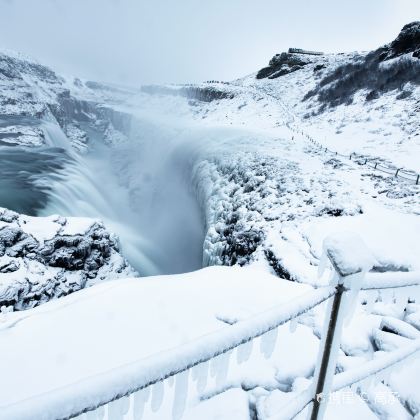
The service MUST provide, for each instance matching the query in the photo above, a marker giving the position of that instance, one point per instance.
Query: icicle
(157, 396)
(180, 395)
(171, 381)
(293, 325)
(214, 366)
(401, 300)
(100, 412)
(386, 375)
(91, 415)
(223, 368)
(114, 411)
(322, 264)
(199, 373)
(351, 302)
(387, 296)
(124, 405)
(268, 343)
(243, 352)
(140, 399)
(371, 297)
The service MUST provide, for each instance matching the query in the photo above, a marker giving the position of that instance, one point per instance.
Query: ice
(139, 401)
(157, 396)
(180, 394)
(268, 343)
(293, 325)
(243, 352)
(387, 296)
(371, 296)
(171, 381)
(124, 405)
(219, 367)
(114, 410)
(97, 414)
(199, 374)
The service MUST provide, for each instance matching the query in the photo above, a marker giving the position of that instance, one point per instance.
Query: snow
(348, 253)
(83, 334)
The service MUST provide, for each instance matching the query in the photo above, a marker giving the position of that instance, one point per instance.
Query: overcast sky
(148, 41)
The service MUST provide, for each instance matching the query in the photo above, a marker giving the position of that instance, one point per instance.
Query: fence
(125, 391)
(373, 163)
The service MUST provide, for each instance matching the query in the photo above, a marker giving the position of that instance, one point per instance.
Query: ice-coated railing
(114, 393)
(122, 393)
(350, 259)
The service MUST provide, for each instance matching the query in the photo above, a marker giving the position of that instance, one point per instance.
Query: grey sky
(145, 41)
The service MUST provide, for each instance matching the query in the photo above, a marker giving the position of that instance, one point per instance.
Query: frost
(157, 395)
(243, 352)
(180, 394)
(139, 401)
(268, 342)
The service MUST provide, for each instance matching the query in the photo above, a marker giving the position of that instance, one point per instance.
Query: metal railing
(126, 389)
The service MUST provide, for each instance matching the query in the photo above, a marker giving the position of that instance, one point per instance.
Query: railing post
(350, 259)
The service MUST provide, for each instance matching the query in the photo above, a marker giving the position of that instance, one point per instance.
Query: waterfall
(141, 190)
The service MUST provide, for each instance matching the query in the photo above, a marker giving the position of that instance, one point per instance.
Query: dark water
(26, 176)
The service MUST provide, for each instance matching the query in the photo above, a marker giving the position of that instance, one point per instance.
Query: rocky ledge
(284, 63)
(42, 258)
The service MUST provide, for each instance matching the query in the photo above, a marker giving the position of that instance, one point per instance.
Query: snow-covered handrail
(350, 260)
(381, 364)
(94, 392)
(349, 378)
(391, 280)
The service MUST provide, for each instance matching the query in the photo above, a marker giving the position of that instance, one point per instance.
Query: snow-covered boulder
(42, 258)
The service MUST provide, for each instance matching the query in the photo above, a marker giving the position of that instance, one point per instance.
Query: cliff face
(42, 258)
(45, 122)
(32, 94)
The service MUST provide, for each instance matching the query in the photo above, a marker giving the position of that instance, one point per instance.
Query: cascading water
(140, 189)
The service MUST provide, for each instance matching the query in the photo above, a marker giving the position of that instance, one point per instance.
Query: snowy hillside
(192, 176)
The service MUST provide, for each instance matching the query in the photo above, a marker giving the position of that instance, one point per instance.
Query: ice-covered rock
(42, 258)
